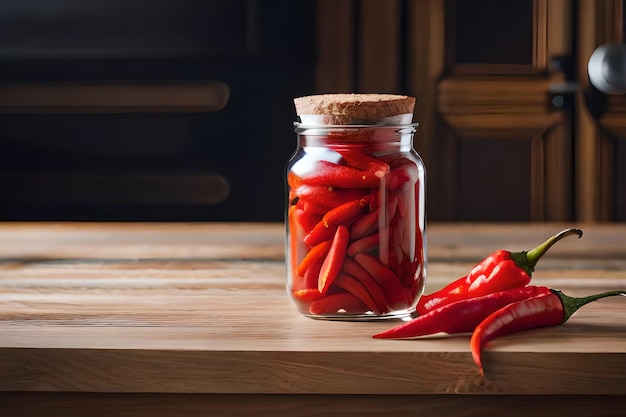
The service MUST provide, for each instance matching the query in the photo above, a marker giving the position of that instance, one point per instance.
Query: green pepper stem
(571, 304)
(527, 260)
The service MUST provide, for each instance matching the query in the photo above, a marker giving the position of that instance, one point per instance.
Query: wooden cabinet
(110, 112)
(601, 133)
(502, 99)
(163, 110)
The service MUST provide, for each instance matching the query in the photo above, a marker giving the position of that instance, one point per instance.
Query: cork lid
(355, 108)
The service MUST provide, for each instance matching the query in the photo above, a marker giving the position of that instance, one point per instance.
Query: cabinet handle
(196, 97)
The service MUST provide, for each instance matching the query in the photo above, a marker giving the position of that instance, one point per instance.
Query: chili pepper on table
(461, 316)
(543, 310)
(500, 271)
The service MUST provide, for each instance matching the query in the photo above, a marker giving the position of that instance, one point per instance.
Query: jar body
(355, 222)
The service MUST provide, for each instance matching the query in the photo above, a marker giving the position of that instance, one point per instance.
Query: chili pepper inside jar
(355, 214)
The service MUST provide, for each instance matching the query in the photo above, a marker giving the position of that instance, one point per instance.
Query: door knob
(607, 68)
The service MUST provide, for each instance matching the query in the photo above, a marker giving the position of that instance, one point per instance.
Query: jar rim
(300, 127)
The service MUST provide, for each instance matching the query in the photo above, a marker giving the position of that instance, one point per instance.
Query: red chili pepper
(396, 294)
(500, 271)
(460, 317)
(334, 259)
(370, 222)
(335, 175)
(399, 261)
(397, 178)
(543, 310)
(304, 218)
(312, 208)
(328, 196)
(312, 274)
(364, 244)
(336, 303)
(316, 252)
(402, 209)
(326, 227)
(351, 267)
(365, 224)
(307, 294)
(294, 238)
(364, 162)
(352, 285)
(391, 207)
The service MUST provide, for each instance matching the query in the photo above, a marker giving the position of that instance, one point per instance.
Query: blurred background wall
(182, 110)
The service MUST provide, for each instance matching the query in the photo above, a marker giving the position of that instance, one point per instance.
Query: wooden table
(193, 319)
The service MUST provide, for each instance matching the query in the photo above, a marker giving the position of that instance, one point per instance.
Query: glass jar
(355, 222)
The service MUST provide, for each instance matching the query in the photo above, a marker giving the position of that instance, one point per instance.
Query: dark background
(56, 165)
(486, 75)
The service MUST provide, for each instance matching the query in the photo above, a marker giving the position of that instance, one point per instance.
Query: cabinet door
(495, 122)
(502, 146)
(601, 121)
(510, 128)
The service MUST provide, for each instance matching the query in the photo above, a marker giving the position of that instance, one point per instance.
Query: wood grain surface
(140, 310)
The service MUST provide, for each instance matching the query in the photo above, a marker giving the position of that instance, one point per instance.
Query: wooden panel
(612, 130)
(620, 181)
(505, 97)
(112, 98)
(293, 405)
(486, 107)
(379, 48)
(336, 55)
(520, 28)
(106, 190)
(361, 46)
(600, 22)
(425, 63)
(613, 122)
(556, 198)
(35, 142)
(553, 163)
(511, 109)
(32, 29)
(480, 176)
(483, 106)
(480, 22)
